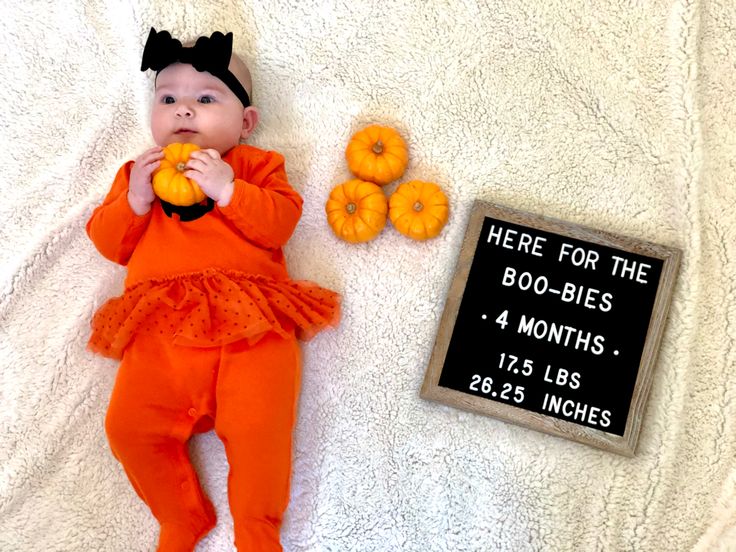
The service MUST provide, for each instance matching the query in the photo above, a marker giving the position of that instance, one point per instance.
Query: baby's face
(195, 107)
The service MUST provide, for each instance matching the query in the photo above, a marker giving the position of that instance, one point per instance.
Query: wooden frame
(625, 444)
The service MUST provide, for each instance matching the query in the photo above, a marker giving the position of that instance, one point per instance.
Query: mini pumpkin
(356, 210)
(169, 182)
(377, 154)
(418, 209)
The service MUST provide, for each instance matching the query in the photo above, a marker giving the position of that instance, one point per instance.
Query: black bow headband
(208, 54)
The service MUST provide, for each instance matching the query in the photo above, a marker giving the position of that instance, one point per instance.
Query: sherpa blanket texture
(611, 114)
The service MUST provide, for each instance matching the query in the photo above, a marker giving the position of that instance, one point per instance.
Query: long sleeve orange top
(212, 280)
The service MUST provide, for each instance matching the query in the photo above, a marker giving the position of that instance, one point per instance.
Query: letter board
(553, 326)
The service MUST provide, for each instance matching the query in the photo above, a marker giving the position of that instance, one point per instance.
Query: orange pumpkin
(418, 209)
(356, 210)
(377, 154)
(169, 182)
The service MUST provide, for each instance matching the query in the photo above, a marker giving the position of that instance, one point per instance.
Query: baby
(208, 323)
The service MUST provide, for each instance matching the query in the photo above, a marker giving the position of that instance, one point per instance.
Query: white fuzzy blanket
(616, 115)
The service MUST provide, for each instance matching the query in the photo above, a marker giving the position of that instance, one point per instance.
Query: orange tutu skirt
(212, 308)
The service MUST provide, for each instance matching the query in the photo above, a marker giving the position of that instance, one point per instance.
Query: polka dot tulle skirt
(212, 308)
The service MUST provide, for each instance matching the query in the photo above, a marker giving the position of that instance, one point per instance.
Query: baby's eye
(206, 99)
(168, 99)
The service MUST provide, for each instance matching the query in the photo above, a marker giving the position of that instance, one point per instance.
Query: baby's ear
(251, 116)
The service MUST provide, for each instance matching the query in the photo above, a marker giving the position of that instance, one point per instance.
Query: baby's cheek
(158, 128)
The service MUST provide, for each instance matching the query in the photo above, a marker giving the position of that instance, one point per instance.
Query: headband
(208, 54)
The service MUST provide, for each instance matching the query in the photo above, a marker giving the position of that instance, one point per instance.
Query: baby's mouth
(185, 131)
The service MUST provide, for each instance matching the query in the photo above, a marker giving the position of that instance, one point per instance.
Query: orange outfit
(206, 330)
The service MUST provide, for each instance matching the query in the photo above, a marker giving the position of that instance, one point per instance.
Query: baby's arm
(263, 206)
(115, 227)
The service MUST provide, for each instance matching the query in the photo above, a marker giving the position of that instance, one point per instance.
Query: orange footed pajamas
(207, 332)
(164, 393)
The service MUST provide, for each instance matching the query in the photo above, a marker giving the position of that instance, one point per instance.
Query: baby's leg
(160, 393)
(257, 391)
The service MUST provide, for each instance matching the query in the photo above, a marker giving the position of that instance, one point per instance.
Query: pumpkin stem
(351, 208)
(180, 166)
(378, 148)
(418, 206)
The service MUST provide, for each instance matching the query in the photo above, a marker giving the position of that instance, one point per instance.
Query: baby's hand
(212, 174)
(140, 190)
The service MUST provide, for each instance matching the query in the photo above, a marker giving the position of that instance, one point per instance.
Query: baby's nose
(183, 110)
